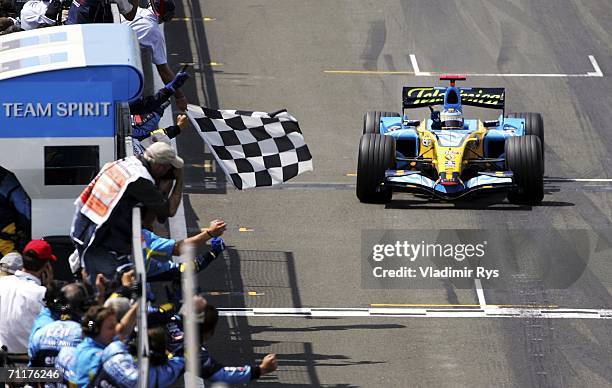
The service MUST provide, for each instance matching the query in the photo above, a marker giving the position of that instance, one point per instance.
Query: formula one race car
(446, 156)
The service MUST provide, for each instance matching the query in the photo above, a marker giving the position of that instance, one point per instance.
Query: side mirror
(412, 123)
(490, 123)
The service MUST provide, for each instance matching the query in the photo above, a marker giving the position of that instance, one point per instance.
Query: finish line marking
(415, 66)
(577, 180)
(597, 72)
(480, 293)
(374, 72)
(418, 73)
(486, 312)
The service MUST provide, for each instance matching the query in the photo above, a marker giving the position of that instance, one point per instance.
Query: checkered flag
(254, 148)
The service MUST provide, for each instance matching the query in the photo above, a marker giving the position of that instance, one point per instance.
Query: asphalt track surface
(327, 62)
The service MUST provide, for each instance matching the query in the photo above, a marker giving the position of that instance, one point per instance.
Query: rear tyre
(376, 155)
(534, 125)
(371, 120)
(524, 159)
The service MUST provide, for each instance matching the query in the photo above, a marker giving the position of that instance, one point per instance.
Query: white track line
(577, 180)
(596, 73)
(480, 293)
(546, 75)
(415, 66)
(487, 312)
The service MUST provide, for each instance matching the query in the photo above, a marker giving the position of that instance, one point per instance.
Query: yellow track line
(205, 18)
(206, 64)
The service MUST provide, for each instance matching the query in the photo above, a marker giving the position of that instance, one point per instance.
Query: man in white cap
(102, 226)
(10, 263)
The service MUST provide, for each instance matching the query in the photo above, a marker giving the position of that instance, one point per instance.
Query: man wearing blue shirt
(163, 249)
(52, 310)
(65, 363)
(213, 370)
(46, 342)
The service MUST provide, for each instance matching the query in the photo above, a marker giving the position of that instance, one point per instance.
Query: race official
(102, 226)
(21, 295)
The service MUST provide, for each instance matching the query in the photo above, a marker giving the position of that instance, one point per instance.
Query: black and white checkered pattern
(254, 148)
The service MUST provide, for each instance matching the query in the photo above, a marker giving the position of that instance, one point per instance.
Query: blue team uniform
(42, 319)
(65, 363)
(210, 369)
(46, 343)
(158, 256)
(157, 247)
(88, 359)
(120, 370)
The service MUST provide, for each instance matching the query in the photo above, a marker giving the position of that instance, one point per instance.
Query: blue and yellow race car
(447, 156)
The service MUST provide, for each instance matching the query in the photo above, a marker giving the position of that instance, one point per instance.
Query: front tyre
(376, 155)
(371, 120)
(524, 158)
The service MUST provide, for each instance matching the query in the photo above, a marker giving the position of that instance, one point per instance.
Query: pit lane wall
(63, 111)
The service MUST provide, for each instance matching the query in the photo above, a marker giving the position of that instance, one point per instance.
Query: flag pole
(191, 339)
(141, 279)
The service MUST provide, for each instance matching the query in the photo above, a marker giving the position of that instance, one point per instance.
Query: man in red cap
(21, 295)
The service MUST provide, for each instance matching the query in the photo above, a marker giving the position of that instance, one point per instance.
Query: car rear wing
(419, 96)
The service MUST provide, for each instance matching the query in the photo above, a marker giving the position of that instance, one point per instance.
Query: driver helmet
(451, 118)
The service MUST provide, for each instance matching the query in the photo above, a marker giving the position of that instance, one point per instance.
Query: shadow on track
(273, 273)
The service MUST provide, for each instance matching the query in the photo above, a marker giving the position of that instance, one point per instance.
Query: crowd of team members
(86, 331)
(85, 327)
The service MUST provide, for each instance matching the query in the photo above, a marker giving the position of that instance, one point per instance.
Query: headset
(90, 328)
(73, 310)
(92, 322)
